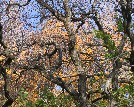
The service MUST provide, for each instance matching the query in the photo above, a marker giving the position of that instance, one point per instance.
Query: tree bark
(82, 89)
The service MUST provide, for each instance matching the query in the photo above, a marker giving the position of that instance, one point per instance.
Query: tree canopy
(61, 53)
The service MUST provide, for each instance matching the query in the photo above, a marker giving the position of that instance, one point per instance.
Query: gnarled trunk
(83, 100)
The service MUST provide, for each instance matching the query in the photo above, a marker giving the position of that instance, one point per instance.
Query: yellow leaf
(8, 71)
(60, 74)
(77, 46)
(89, 51)
(96, 77)
(2, 58)
(75, 74)
(44, 50)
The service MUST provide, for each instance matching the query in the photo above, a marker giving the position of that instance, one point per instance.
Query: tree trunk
(131, 59)
(83, 103)
(83, 100)
(114, 75)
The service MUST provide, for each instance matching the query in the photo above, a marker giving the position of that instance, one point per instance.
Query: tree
(83, 52)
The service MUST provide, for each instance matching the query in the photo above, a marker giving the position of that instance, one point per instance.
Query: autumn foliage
(68, 53)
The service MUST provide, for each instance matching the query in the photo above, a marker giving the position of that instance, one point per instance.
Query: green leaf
(120, 25)
(132, 25)
(107, 42)
(107, 55)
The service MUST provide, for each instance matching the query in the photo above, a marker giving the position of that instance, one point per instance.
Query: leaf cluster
(120, 25)
(48, 99)
(107, 42)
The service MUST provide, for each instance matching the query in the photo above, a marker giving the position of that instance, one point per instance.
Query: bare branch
(54, 12)
(17, 4)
